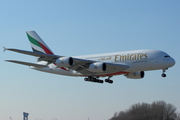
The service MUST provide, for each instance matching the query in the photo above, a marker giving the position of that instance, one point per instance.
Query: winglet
(4, 49)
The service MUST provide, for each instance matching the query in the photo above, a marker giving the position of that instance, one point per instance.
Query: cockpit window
(166, 56)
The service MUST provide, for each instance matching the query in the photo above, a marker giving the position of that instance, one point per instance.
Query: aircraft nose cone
(173, 62)
(169, 62)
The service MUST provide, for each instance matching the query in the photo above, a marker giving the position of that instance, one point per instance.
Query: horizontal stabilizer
(45, 57)
(26, 63)
(4, 49)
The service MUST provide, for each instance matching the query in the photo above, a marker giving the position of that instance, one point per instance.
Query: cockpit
(166, 56)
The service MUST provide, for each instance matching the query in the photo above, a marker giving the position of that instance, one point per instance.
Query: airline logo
(130, 57)
(126, 57)
(37, 44)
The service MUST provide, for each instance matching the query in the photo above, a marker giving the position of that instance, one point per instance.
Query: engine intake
(64, 62)
(97, 67)
(135, 75)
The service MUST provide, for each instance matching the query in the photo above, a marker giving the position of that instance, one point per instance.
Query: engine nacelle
(135, 75)
(64, 62)
(97, 67)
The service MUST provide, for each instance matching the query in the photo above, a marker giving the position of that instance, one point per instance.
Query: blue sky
(78, 28)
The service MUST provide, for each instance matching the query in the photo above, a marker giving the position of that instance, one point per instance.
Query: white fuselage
(138, 60)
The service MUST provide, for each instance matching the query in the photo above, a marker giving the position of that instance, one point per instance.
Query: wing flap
(26, 63)
(114, 67)
(83, 61)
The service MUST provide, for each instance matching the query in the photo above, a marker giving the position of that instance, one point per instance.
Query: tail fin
(37, 43)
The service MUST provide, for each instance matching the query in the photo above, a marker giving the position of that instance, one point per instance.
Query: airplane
(131, 64)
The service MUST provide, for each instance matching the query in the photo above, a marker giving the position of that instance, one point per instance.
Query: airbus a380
(131, 64)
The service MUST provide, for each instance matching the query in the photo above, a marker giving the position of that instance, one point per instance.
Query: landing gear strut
(108, 80)
(163, 74)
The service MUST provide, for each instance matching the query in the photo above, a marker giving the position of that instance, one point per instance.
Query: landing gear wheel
(95, 80)
(106, 80)
(85, 79)
(163, 75)
(100, 81)
(110, 81)
(89, 78)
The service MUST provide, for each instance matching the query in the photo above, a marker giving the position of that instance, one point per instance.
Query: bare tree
(158, 110)
(178, 116)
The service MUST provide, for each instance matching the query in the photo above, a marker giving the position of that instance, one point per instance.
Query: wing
(82, 65)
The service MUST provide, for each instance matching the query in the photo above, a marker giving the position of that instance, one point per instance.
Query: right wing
(82, 65)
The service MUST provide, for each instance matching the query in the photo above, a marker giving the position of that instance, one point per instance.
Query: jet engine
(97, 67)
(64, 62)
(135, 75)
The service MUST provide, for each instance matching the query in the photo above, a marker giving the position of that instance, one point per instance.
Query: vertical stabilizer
(37, 43)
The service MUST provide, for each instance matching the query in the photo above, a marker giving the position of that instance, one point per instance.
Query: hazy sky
(80, 27)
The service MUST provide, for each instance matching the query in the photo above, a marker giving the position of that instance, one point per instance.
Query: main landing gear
(108, 80)
(163, 74)
(94, 79)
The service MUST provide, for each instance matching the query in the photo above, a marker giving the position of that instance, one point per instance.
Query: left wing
(80, 65)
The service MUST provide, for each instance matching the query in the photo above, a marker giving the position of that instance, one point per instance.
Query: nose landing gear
(163, 74)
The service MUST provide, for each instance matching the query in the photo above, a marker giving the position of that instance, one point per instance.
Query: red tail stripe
(49, 52)
(46, 49)
(64, 68)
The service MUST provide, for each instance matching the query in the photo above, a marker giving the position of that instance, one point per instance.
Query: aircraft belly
(59, 71)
